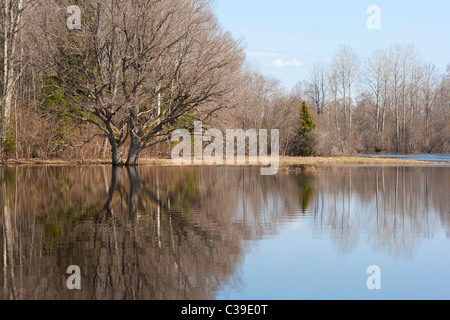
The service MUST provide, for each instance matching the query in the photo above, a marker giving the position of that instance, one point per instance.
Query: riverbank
(284, 162)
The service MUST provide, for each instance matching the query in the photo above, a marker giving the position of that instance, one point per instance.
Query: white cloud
(292, 63)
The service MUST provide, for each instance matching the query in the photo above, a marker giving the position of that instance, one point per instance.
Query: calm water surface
(224, 233)
(444, 157)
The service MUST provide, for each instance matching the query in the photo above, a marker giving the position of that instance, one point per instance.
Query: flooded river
(225, 233)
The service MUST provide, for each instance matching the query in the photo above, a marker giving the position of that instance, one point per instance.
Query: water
(224, 233)
(445, 157)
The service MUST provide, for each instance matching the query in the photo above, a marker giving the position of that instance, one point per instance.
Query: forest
(132, 72)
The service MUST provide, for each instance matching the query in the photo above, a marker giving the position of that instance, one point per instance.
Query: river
(217, 233)
(445, 157)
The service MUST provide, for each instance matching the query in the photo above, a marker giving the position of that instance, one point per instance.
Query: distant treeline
(132, 72)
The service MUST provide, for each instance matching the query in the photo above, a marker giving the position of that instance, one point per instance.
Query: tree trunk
(116, 153)
(12, 15)
(7, 97)
(397, 128)
(350, 106)
(135, 150)
(345, 106)
(336, 111)
(134, 153)
(7, 103)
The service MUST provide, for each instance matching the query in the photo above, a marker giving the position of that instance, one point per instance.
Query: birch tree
(346, 66)
(12, 12)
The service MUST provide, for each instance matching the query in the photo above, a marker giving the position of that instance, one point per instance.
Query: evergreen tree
(305, 148)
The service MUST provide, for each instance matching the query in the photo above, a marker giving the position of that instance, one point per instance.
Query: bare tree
(137, 67)
(346, 66)
(318, 87)
(374, 76)
(12, 12)
(430, 82)
(333, 85)
(204, 67)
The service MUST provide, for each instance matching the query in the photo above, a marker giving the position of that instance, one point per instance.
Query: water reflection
(182, 233)
(389, 208)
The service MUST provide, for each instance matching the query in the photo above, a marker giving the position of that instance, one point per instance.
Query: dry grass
(284, 162)
(292, 161)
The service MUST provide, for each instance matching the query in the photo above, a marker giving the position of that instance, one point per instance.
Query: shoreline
(283, 161)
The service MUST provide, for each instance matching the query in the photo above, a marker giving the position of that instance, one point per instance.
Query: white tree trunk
(12, 15)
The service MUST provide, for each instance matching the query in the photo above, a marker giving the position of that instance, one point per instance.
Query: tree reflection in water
(390, 208)
(181, 233)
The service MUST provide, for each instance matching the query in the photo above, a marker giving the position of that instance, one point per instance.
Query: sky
(284, 38)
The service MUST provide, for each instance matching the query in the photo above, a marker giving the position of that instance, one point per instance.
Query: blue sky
(284, 38)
